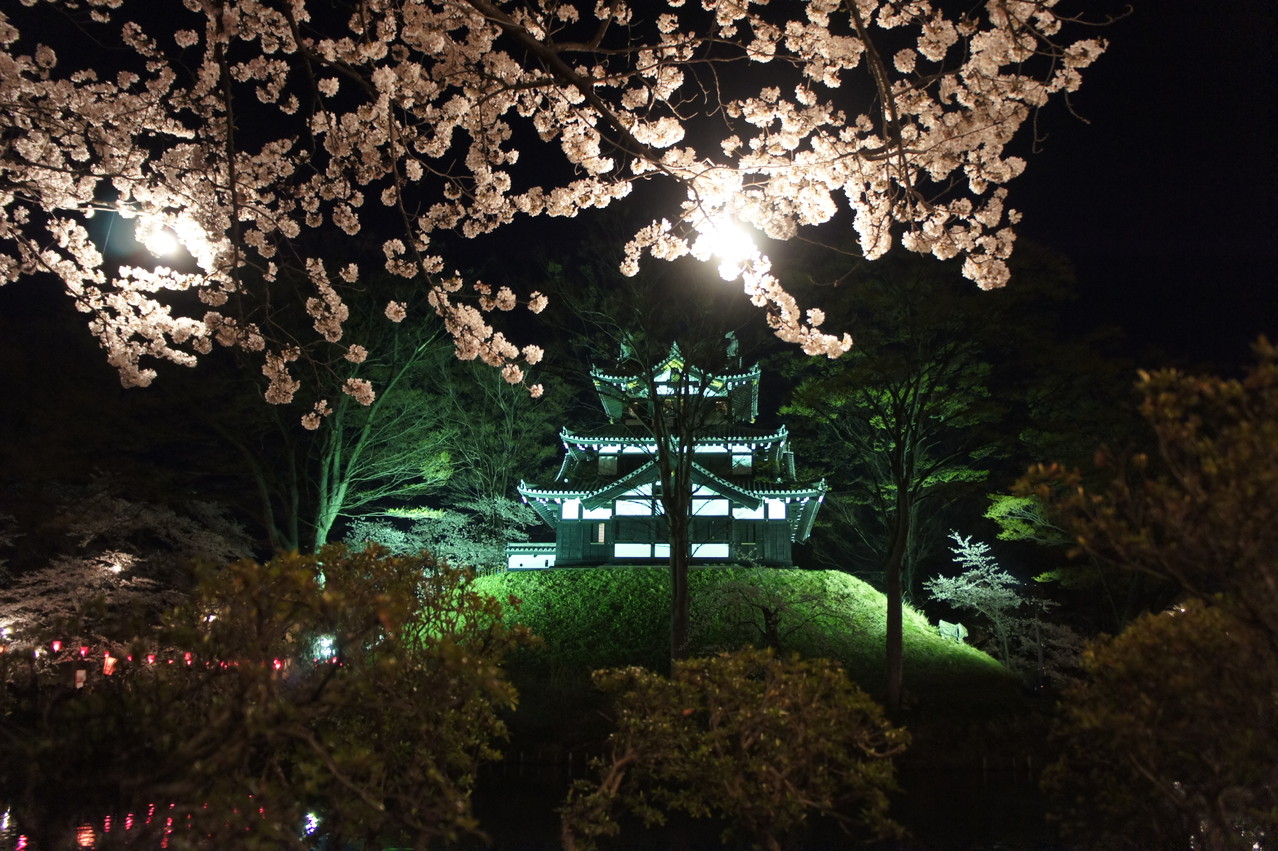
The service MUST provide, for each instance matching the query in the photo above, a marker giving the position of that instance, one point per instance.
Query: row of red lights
(109, 662)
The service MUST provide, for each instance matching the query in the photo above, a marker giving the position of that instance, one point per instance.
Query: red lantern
(56, 645)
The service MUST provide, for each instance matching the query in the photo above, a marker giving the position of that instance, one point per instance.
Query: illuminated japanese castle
(604, 503)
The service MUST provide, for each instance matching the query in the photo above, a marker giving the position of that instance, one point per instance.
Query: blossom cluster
(445, 115)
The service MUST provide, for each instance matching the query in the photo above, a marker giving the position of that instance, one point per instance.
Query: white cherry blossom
(240, 126)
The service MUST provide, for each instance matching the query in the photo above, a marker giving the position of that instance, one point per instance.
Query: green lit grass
(608, 617)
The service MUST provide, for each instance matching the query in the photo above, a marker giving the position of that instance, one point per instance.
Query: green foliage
(1203, 513)
(760, 742)
(1170, 742)
(474, 534)
(1024, 518)
(1180, 709)
(505, 434)
(904, 419)
(259, 711)
(611, 617)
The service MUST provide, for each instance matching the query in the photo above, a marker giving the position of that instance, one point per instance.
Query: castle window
(711, 507)
(601, 533)
(607, 465)
(635, 506)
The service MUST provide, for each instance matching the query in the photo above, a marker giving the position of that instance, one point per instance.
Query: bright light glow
(324, 647)
(729, 242)
(311, 824)
(162, 243)
(164, 234)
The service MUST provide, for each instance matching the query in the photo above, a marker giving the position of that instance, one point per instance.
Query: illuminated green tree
(904, 423)
(1024, 518)
(504, 434)
(362, 458)
(759, 742)
(489, 434)
(395, 450)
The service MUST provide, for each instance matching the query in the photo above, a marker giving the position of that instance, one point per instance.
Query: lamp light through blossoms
(162, 243)
(165, 234)
(729, 242)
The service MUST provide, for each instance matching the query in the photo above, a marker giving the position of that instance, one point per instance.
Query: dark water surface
(982, 809)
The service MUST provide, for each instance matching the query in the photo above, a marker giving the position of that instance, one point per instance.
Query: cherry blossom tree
(240, 128)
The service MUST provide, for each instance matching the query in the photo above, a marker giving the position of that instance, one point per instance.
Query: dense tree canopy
(265, 700)
(901, 426)
(239, 129)
(760, 742)
(1182, 703)
(1200, 511)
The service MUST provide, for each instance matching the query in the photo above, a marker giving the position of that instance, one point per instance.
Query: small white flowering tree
(249, 132)
(983, 587)
(1019, 636)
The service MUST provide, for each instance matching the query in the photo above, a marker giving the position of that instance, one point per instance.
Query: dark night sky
(1166, 200)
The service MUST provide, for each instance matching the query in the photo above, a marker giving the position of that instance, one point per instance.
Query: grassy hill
(610, 617)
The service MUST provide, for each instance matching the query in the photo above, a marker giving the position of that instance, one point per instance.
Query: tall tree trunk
(677, 497)
(680, 600)
(895, 639)
(895, 650)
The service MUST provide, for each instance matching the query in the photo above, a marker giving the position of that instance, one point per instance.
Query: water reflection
(515, 805)
(148, 827)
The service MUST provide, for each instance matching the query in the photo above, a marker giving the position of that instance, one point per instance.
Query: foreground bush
(1171, 741)
(761, 742)
(358, 686)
